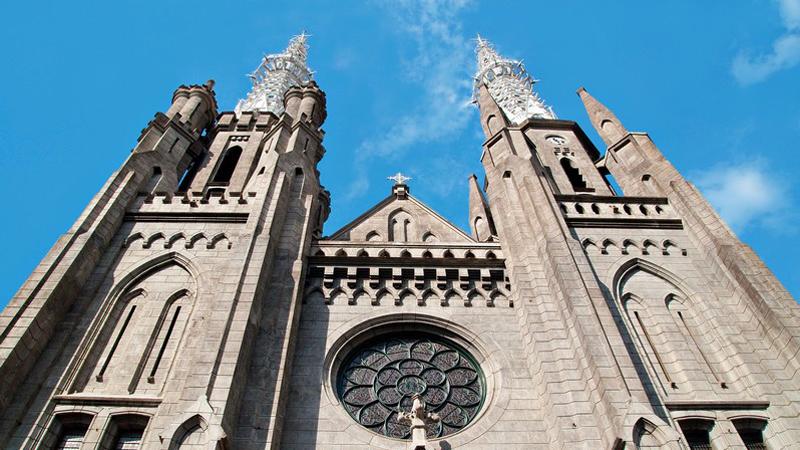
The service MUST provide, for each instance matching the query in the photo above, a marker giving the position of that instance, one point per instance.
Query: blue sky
(714, 83)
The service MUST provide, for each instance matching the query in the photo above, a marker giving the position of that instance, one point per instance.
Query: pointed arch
(400, 226)
(629, 244)
(649, 247)
(429, 237)
(153, 239)
(337, 294)
(590, 246)
(173, 239)
(192, 242)
(362, 253)
(133, 238)
(609, 244)
(666, 324)
(373, 236)
(340, 252)
(647, 436)
(191, 432)
(142, 302)
(360, 296)
(217, 239)
(669, 247)
(383, 297)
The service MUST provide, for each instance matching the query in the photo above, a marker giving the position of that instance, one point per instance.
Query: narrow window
(188, 176)
(116, 343)
(125, 432)
(574, 175)
(129, 440)
(72, 437)
(152, 376)
(696, 433)
(227, 166)
(751, 431)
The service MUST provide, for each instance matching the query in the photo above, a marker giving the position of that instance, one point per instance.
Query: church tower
(163, 318)
(196, 303)
(648, 324)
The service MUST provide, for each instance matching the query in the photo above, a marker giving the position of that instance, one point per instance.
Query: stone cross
(398, 178)
(418, 418)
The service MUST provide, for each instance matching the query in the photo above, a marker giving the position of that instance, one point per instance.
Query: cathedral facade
(196, 304)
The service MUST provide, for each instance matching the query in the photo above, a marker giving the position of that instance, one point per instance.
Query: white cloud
(790, 13)
(440, 67)
(745, 195)
(749, 69)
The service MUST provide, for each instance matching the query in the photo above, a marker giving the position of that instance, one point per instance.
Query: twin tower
(195, 303)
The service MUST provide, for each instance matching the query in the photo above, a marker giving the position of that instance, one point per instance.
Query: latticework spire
(509, 84)
(275, 75)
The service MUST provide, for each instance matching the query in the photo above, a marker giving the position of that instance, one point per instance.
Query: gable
(401, 218)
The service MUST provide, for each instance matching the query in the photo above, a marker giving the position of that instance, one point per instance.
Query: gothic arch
(152, 239)
(401, 226)
(662, 312)
(133, 238)
(191, 432)
(173, 239)
(104, 354)
(429, 237)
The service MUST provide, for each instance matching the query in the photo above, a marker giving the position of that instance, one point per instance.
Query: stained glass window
(379, 378)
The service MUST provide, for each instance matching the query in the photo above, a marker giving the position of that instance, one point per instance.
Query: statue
(418, 418)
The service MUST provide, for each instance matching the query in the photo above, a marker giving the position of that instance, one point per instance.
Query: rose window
(379, 379)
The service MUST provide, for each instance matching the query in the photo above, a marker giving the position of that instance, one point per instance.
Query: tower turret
(603, 120)
(480, 217)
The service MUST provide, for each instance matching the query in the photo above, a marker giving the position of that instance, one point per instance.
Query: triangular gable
(401, 218)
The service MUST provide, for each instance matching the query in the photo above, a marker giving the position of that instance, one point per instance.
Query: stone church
(197, 304)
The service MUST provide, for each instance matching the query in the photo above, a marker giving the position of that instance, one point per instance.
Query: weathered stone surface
(195, 301)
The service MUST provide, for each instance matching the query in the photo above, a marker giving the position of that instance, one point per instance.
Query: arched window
(69, 430)
(573, 174)
(751, 431)
(400, 226)
(697, 433)
(227, 165)
(125, 432)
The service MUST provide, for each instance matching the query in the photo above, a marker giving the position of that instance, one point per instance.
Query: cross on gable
(398, 178)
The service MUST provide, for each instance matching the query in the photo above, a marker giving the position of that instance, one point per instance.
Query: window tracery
(378, 380)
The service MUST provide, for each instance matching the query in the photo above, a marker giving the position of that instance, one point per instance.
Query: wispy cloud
(750, 69)
(440, 67)
(747, 195)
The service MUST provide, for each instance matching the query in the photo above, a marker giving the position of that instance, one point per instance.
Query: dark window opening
(751, 431)
(72, 437)
(188, 175)
(227, 166)
(696, 433)
(574, 175)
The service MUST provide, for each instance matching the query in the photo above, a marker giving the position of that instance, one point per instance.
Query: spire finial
(275, 75)
(509, 84)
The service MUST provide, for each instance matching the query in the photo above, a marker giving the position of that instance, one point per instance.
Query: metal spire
(275, 75)
(509, 84)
